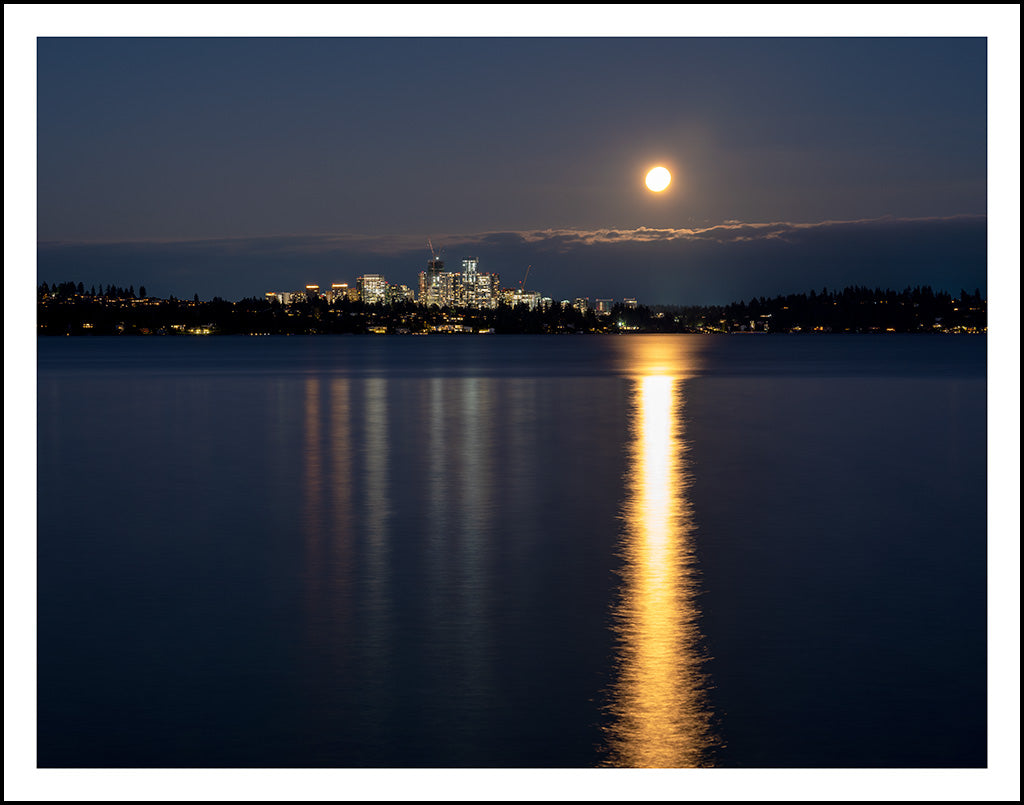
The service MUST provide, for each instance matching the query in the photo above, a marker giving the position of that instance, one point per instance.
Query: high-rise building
(430, 282)
(339, 291)
(487, 286)
(469, 278)
(400, 293)
(373, 288)
(529, 298)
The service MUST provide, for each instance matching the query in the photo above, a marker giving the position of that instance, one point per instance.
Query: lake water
(505, 551)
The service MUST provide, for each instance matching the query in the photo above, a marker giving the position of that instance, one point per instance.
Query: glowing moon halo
(658, 179)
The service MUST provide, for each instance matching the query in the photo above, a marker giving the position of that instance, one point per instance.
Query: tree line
(71, 290)
(852, 309)
(67, 308)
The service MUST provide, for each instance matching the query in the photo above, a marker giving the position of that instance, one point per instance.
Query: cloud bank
(709, 265)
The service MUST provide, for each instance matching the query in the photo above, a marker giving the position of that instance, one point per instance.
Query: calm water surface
(512, 551)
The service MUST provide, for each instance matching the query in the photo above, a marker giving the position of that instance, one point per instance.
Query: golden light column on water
(659, 713)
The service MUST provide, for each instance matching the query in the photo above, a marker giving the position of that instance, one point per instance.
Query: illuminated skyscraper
(339, 290)
(430, 282)
(373, 288)
(487, 286)
(469, 281)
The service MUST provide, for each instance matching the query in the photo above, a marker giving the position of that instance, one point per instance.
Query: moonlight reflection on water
(660, 714)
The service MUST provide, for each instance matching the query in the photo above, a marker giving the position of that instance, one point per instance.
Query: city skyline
(797, 162)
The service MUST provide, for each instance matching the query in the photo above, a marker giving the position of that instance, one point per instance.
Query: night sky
(233, 166)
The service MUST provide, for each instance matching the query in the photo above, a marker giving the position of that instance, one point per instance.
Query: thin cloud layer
(708, 265)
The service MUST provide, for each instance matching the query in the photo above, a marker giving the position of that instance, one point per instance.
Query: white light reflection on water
(659, 713)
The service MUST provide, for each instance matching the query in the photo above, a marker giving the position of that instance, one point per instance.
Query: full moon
(658, 179)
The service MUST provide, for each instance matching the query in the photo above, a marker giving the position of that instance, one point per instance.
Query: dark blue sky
(234, 166)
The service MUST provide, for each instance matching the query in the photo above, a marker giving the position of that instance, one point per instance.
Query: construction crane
(435, 263)
(522, 282)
